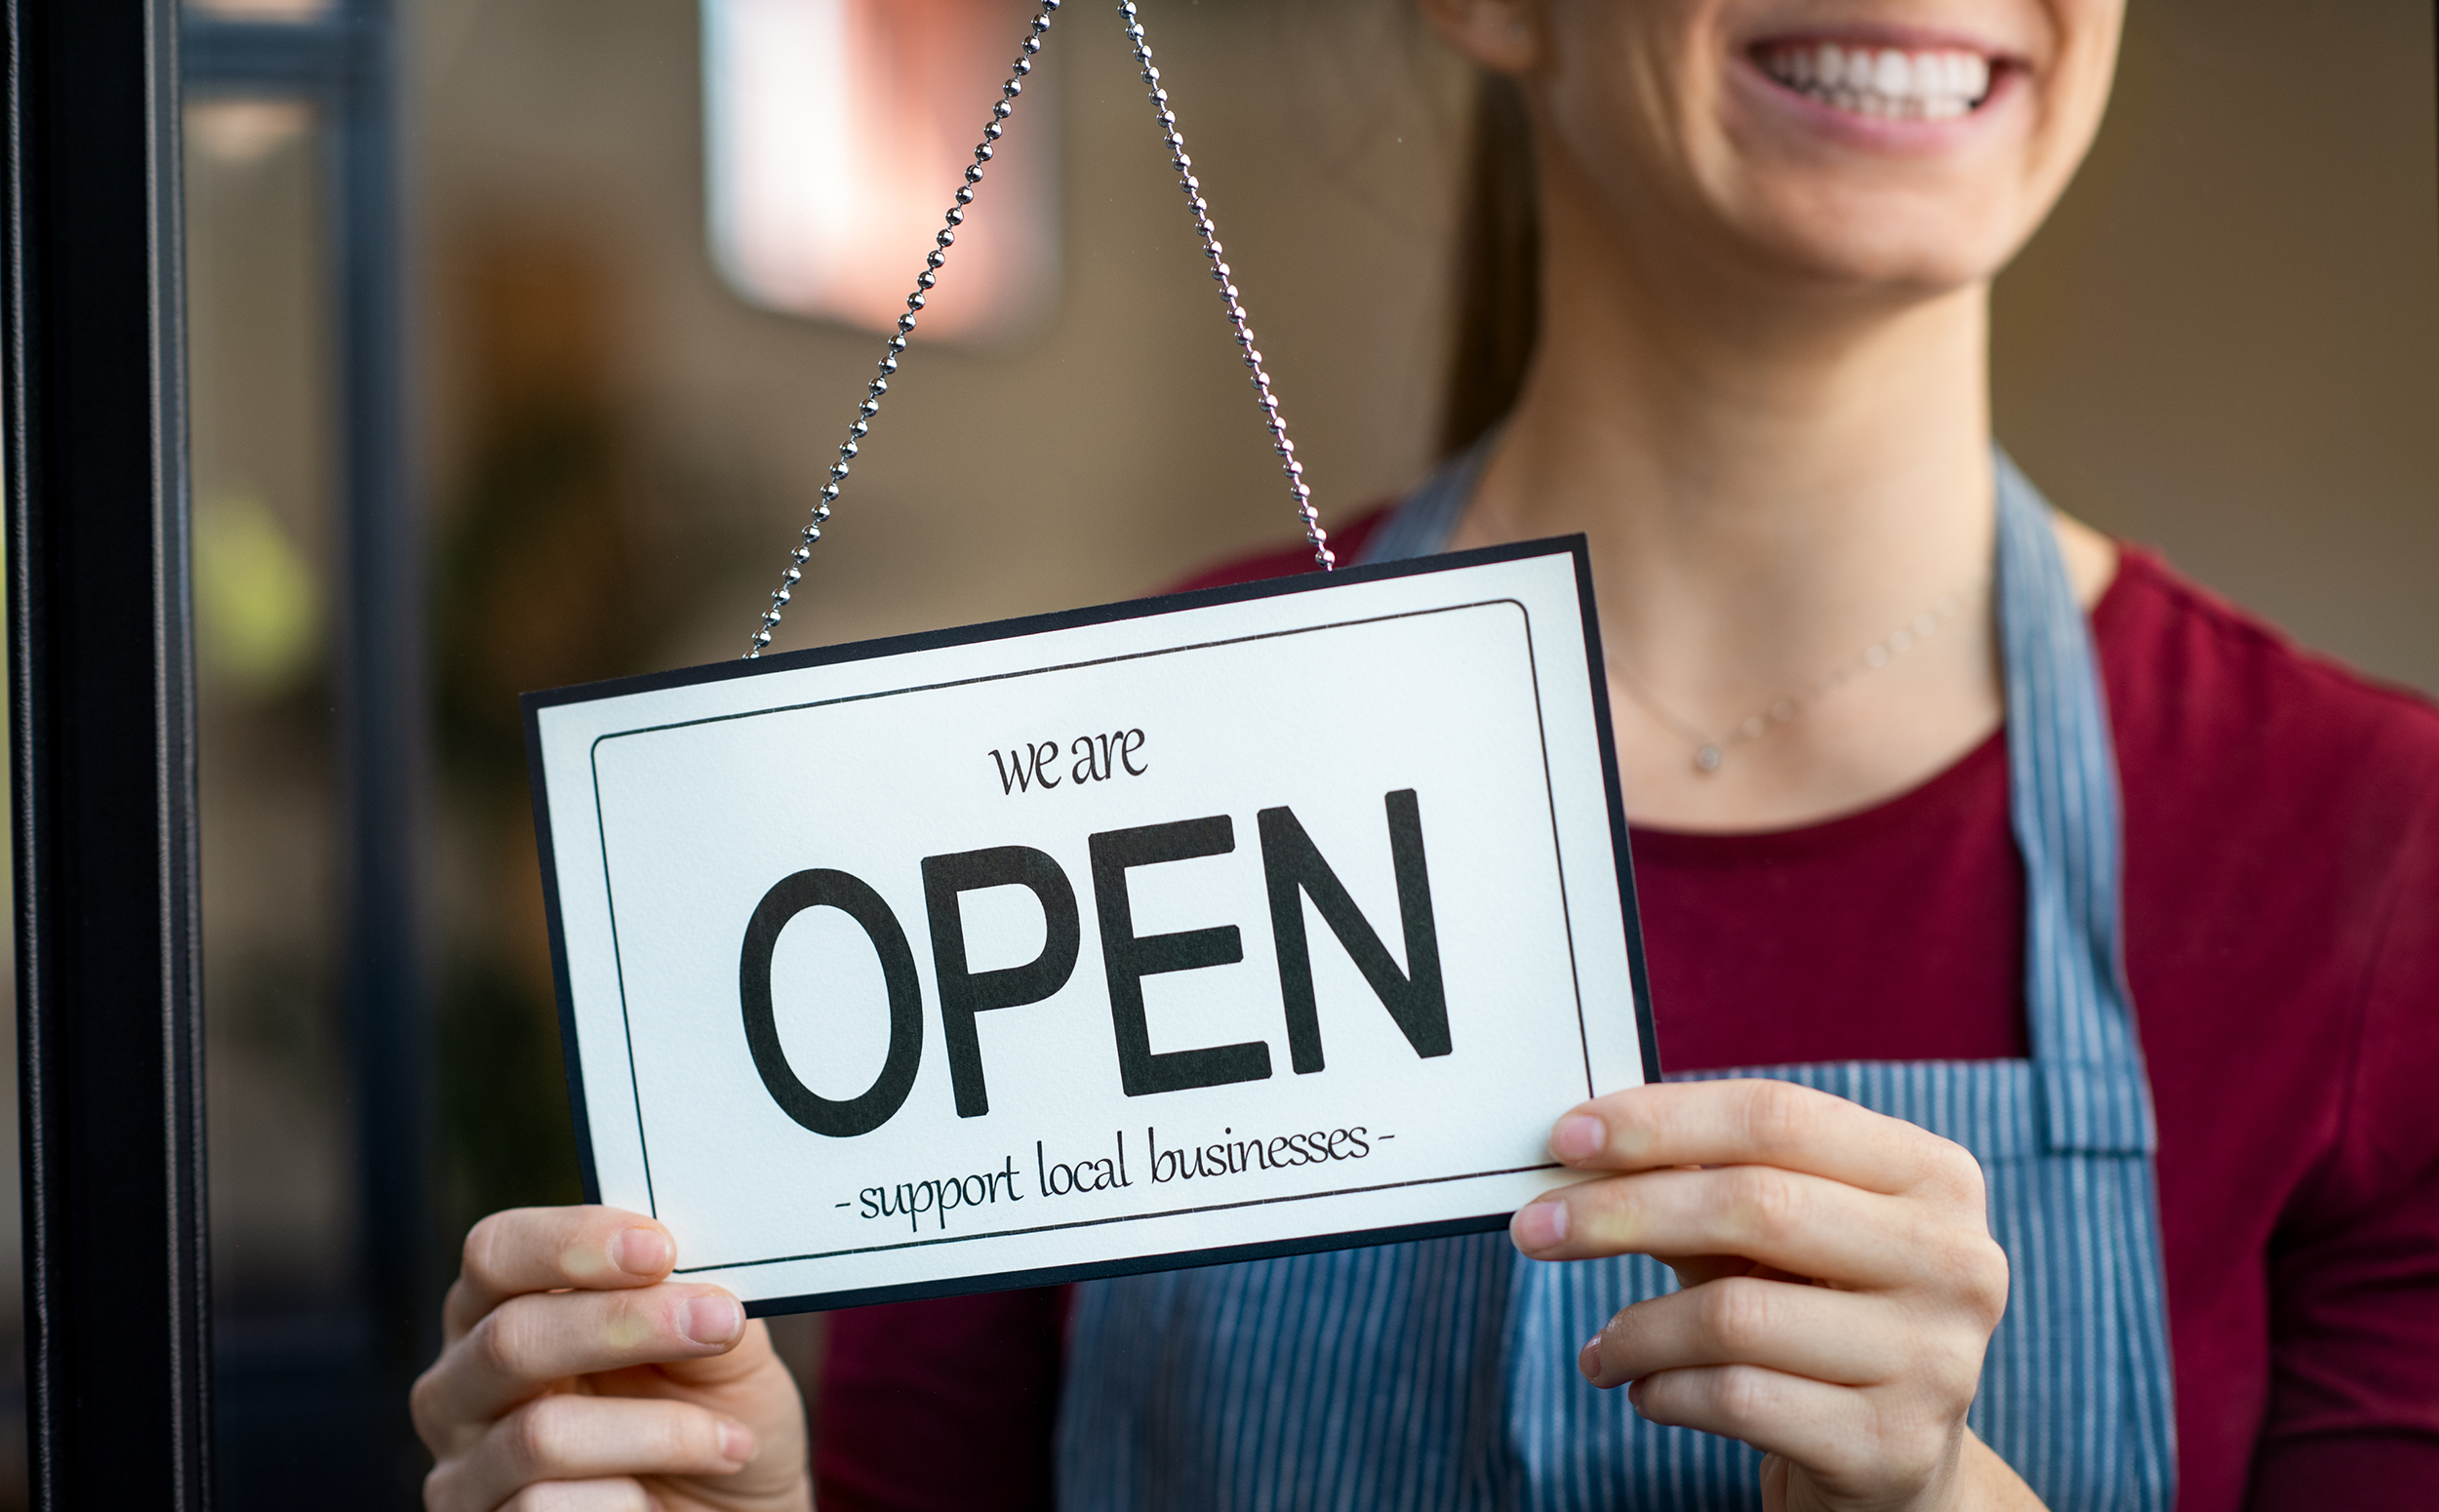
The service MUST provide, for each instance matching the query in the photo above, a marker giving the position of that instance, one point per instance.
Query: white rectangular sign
(1241, 923)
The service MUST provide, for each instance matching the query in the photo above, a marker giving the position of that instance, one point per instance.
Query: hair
(1498, 269)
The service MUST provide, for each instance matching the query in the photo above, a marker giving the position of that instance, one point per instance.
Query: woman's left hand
(1839, 1286)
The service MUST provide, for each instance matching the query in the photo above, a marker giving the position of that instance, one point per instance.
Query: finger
(1764, 1122)
(752, 1354)
(1845, 1339)
(619, 1496)
(1837, 1434)
(527, 1342)
(1802, 1224)
(547, 1249)
(566, 1437)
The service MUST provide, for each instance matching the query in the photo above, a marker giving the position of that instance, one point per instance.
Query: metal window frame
(344, 64)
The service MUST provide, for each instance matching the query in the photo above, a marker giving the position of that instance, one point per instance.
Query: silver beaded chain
(871, 405)
(939, 255)
(1319, 538)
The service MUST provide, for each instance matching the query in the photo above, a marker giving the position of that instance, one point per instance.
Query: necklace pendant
(1707, 760)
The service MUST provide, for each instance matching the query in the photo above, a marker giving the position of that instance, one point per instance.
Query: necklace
(1710, 751)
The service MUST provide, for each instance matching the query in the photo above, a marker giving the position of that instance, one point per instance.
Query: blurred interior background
(639, 253)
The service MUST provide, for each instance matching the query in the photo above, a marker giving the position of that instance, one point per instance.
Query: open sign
(1240, 923)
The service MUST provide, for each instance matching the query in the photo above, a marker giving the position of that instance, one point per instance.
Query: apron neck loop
(2063, 801)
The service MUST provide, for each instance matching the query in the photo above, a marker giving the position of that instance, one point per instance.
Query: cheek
(1632, 113)
(2085, 70)
(2069, 94)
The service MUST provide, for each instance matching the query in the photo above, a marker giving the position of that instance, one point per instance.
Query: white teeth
(1889, 83)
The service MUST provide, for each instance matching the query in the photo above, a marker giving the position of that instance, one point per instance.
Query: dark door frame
(103, 728)
(103, 749)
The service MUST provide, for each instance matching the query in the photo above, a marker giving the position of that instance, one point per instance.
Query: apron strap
(2062, 772)
(1422, 523)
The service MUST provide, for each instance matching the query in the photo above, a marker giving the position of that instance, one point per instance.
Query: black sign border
(1573, 546)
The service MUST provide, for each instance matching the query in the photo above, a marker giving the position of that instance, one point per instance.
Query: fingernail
(641, 1252)
(1538, 1226)
(1634, 1394)
(712, 1320)
(737, 1443)
(1588, 1358)
(1578, 1137)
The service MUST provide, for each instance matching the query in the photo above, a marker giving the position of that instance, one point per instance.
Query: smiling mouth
(1933, 84)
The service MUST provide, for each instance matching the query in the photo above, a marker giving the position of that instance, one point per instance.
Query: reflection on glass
(264, 548)
(837, 130)
(264, 10)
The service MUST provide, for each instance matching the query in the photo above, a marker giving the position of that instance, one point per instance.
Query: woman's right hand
(574, 1377)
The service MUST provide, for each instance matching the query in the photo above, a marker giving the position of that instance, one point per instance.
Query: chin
(1909, 245)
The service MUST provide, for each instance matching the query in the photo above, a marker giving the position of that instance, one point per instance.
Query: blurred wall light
(242, 132)
(836, 132)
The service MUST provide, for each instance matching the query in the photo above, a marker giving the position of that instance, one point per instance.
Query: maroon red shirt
(2281, 939)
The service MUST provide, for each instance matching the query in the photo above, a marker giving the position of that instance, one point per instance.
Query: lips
(1888, 83)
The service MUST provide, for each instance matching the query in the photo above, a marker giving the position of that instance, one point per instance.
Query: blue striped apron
(1441, 1374)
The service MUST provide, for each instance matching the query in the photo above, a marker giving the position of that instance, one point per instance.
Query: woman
(2053, 1241)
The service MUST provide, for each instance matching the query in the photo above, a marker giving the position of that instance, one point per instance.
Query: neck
(1760, 489)
(1771, 479)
